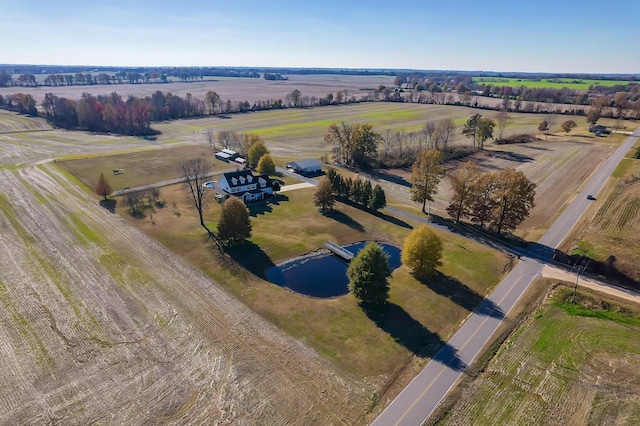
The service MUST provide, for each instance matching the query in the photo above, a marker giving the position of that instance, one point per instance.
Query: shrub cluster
(358, 191)
(522, 138)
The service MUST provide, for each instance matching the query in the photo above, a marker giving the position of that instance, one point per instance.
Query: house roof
(246, 175)
(306, 163)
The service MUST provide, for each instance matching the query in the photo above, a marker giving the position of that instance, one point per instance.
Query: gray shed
(309, 165)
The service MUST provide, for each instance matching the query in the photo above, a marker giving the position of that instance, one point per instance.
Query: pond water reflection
(323, 275)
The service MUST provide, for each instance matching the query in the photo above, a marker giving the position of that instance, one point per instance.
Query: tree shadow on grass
(109, 204)
(345, 219)
(537, 148)
(259, 209)
(411, 334)
(277, 199)
(264, 206)
(392, 219)
(379, 214)
(462, 295)
(251, 257)
(511, 156)
(398, 180)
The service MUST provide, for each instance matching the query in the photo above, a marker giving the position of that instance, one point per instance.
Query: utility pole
(584, 268)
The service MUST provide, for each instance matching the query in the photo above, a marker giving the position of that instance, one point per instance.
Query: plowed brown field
(99, 323)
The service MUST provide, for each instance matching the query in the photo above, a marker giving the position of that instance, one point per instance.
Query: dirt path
(99, 323)
(602, 287)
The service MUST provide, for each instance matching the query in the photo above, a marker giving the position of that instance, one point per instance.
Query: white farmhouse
(244, 185)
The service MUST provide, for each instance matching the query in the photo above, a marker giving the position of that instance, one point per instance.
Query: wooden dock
(339, 250)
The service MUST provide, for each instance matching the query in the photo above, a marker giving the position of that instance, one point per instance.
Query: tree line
(112, 76)
(111, 113)
(443, 83)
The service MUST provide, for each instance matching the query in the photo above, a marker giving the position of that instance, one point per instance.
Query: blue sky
(536, 36)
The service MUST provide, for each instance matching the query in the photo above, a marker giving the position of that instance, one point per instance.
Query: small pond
(323, 275)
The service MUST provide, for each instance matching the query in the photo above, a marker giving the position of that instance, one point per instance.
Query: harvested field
(565, 365)
(34, 140)
(559, 168)
(235, 89)
(101, 324)
(295, 132)
(615, 230)
(11, 122)
(611, 232)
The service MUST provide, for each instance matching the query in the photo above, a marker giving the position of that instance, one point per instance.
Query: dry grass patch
(143, 167)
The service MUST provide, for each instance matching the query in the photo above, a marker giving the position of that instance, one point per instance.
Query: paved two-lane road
(418, 400)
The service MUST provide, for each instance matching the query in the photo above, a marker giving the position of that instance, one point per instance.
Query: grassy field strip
(559, 367)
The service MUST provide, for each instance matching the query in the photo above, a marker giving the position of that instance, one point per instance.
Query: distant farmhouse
(244, 185)
(304, 167)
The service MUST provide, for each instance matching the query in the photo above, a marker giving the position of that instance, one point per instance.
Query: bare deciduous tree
(228, 139)
(133, 200)
(444, 129)
(550, 119)
(428, 131)
(195, 173)
(504, 120)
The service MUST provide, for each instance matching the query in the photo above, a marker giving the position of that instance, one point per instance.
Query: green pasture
(554, 83)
